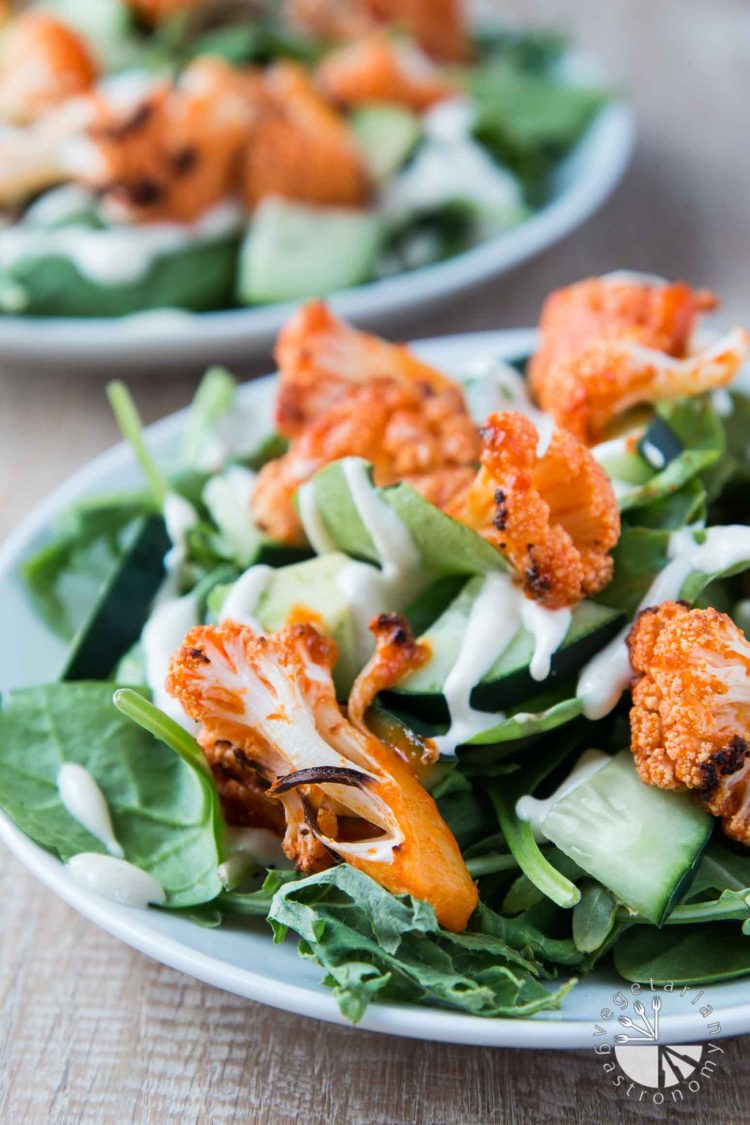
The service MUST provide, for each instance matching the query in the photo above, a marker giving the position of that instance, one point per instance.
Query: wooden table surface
(93, 1032)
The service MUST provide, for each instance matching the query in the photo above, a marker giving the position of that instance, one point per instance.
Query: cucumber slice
(196, 278)
(387, 135)
(115, 622)
(509, 679)
(307, 591)
(292, 251)
(641, 842)
(446, 546)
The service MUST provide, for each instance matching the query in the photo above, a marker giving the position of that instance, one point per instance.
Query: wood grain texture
(94, 1033)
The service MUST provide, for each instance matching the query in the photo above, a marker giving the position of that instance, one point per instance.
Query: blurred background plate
(172, 339)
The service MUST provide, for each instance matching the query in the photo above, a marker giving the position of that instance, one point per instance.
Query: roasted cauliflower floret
(438, 26)
(553, 515)
(175, 153)
(43, 62)
(380, 69)
(611, 343)
(321, 357)
(273, 698)
(659, 316)
(408, 431)
(585, 391)
(690, 719)
(301, 147)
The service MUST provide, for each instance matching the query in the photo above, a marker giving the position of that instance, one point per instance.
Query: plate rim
(109, 342)
(551, 1031)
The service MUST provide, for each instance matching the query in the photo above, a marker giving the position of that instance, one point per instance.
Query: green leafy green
(377, 946)
(213, 399)
(164, 807)
(594, 917)
(694, 955)
(65, 575)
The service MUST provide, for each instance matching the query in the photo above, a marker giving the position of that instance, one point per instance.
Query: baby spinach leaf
(693, 955)
(594, 917)
(164, 810)
(65, 575)
(375, 945)
(115, 622)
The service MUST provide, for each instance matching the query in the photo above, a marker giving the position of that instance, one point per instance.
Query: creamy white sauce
(496, 615)
(492, 386)
(248, 848)
(448, 171)
(239, 431)
(318, 535)
(653, 455)
(162, 635)
(603, 680)
(116, 255)
(450, 120)
(534, 811)
(228, 498)
(369, 589)
(116, 879)
(86, 803)
(179, 516)
(549, 629)
(59, 205)
(128, 88)
(242, 600)
(722, 402)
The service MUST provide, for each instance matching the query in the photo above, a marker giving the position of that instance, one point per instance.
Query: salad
(445, 676)
(200, 155)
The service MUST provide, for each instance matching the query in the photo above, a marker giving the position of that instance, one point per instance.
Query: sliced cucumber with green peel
(446, 546)
(641, 842)
(292, 251)
(307, 591)
(387, 135)
(509, 679)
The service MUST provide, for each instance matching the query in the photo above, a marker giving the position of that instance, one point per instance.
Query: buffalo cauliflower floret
(43, 62)
(380, 69)
(408, 431)
(438, 26)
(690, 719)
(554, 516)
(301, 147)
(658, 315)
(320, 358)
(585, 391)
(273, 698)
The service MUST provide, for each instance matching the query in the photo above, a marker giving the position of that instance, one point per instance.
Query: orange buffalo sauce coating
(379, 69)
(344, 792)
(554, 516)
(42, 64)
(690, 719)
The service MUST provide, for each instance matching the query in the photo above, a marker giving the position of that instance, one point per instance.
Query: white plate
(244, 960)
(170, 338)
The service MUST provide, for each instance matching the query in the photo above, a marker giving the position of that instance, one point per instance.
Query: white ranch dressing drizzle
(534, 810)
(162, 635)
(499, 609)
(228, 498)
(247, 848)
(494, 386)
(318, 535)
(179, 516)
(115, 255)
(86, 803)
(116, 879)
(369, 589)
(603, 680)
(242, 600)
(722, 402)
